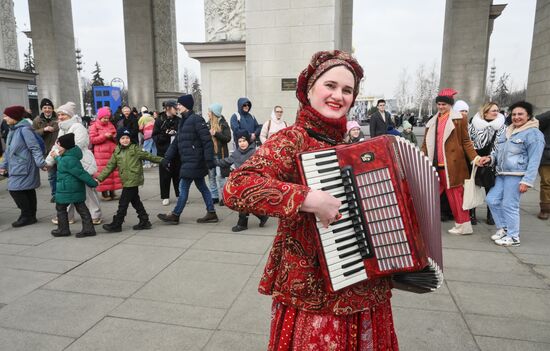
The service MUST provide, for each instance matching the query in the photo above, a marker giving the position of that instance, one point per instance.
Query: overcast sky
(388, 36)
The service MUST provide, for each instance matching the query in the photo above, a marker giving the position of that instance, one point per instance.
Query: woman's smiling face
(332, 94)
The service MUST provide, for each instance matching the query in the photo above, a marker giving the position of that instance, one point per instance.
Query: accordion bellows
(390, 213)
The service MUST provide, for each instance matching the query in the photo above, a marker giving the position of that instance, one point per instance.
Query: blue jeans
(503, 201)
(217, 182)
(52, 179)
(185, 184)
(150, 147)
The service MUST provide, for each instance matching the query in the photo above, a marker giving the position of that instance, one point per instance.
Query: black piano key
(326, 180)
(328, 154)
(322, 163)
(338, 230)
(345, 238)
(352, 263)
(359, 269)
(347, 254)
(330, 187)
(330, 169)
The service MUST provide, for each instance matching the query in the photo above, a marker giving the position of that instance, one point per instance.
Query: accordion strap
(320, 137)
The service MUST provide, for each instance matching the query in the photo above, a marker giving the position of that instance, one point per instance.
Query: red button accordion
(390, 224)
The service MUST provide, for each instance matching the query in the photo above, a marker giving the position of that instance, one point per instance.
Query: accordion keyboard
(344, 242)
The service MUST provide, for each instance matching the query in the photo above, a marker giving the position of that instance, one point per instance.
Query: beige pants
(544, 171)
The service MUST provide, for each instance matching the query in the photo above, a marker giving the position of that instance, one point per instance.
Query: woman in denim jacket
(517, 157)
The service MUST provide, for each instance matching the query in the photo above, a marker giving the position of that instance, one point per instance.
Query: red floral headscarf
(321, 62)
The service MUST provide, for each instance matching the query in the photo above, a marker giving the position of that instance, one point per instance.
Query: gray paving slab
(130, 335)
(493, 344)
(502, 301)
(10, 249)
(15, 283)
(159, 241)
(57, 312)
(30, 235)
(418, 329)
(248, 312)
(509, 328)
(234, 243)
(37, 264)
(71, 248)
(95, 286)
(230, 341)
(19, 340)
(440, 300)
(222, 257)
(129, 262)
(206, 284)
(170, 313)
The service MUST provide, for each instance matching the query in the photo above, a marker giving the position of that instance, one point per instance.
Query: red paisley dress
(305, 315)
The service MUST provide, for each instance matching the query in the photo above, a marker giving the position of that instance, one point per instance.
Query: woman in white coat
(69, 122)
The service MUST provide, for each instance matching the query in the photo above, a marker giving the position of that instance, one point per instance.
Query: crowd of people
(113, 149)
(83, 163)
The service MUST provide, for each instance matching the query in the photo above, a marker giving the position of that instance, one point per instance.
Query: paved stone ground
(193, 287)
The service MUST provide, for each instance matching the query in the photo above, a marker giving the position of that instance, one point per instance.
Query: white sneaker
(165, 202)
(507, 241)
(501, 233)
(462, 229)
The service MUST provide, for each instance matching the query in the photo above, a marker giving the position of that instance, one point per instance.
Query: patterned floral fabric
(268, 183)
(296, 330)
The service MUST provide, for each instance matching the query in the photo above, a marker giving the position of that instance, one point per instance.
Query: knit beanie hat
(216, 109)
(406, 125)
(187, 101)
(446, 95)
(461, 105)
(15, 112)
(321, 62)
(103, 112)
(66, 141)
(69, 109)
(122, 132)
(46, 102)
(170, 103)
(241, 133)
(352, 124)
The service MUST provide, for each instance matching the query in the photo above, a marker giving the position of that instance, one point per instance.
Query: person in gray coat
(242, 153)
(22, 162)
(380, 120)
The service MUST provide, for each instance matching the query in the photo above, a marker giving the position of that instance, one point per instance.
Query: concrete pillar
(538, 86)
(151, 53)
(281, 37)
(54, 50)
(9, 56)
(468, 26)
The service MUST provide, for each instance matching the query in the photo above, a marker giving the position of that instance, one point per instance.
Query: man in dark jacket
(164, 131)
(130, 122)
(243, 120)
(380, 120)
(46, 126)
(193, 145)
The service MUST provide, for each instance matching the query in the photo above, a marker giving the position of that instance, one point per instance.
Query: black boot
(113, 195)
(242, 224)
(115, 226)
(263, 220)
(144, 223)
(105, 196)
(490, 220)
(87, 224)
(62, 229)
(210, 217)
(169, 218)
(473, 218)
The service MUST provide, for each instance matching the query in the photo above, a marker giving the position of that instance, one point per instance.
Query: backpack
(39, 140)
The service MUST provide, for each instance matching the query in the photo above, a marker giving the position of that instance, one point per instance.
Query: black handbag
(486, 176)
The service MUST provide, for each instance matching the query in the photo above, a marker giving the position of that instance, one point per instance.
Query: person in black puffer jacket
(193, 145)
(164, 131)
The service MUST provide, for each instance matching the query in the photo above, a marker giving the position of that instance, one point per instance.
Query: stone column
(9, 55)
(151, 54)
(54, 50)
(538, 86)
(281, 37)
(468, 26)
